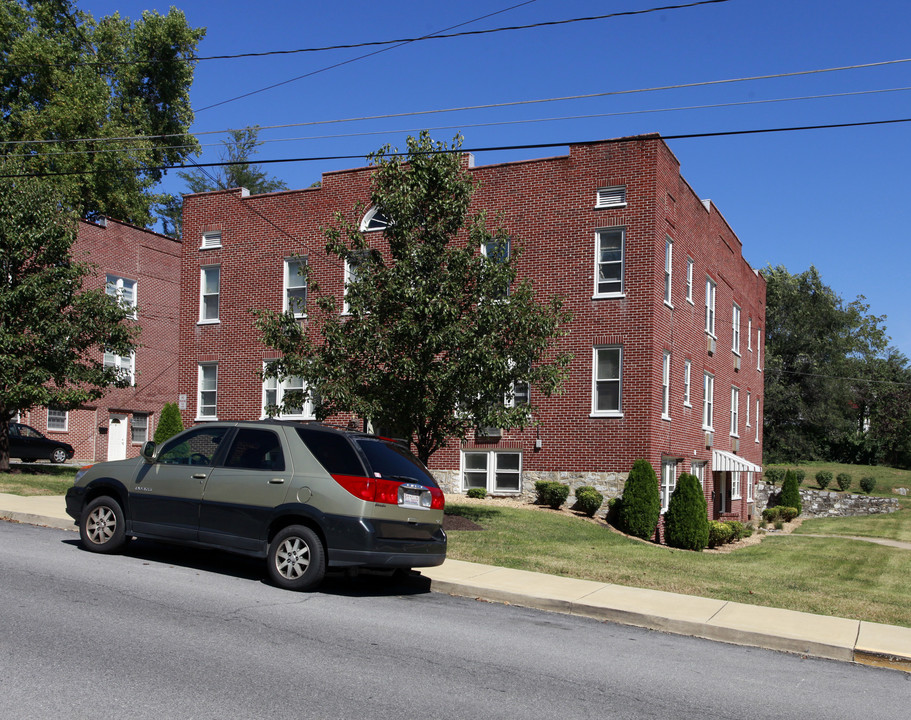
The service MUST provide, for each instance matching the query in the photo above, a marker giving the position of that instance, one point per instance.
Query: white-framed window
(496, 471)
(207, 392)
(689, 280)
(687, 380)
(374, 220)
(209, 292)
(747, 407)
(736, 492)
(124, 364)
(211, 240)
(139, 428)
(757, 420)
(668, 268)
(750, 334)
(697, 468)
(710, 288)
(58, 420)
(666, 386)
(498, 251)
(758, 348)
(735, 411)
(609, 244)
(295, 287)
(607, 372)
(708, 400)
(518, 395)
(749, 484)
(614, 196)
(123, 290)
(735, 329)
(274, 395)
(668, 481)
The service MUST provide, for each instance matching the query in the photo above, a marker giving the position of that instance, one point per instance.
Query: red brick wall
(548, 206)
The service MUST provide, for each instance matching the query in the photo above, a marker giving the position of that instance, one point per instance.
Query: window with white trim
(735, 329)
(710, 288)
(668, 268)
(750, 334)
(124, 291)
(209, 292)
(498, 251)
(614, 196)
(757, 421)
(697, 468)
(496, 471)
(58, 420)
(139, 428)
(274, 393)
(374, 219)
(735, 485)
(708, 400)
(124, 364)
(749, 484)
(735, 411)
(518, 395)
(687, 376)
(607, 369)
(747, 407)
(211, 240)
(666, 386)
(689, 280)
(295, 290)
(758, 348)
(668, 481)
(207, 392)
(609, 262)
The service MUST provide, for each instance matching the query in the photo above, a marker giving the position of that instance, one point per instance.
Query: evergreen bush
(169, 423)
(790, 495)
(771, 514)
(823, 478)
(552, 494)
(787, 514)
(686, 521)
(588, 500)
(719, 533)
(773, 475)
(844, 481)
(477, 493)
(641, 507)
(867, 484)
(613, 511)
(738, 530)
(801, 476)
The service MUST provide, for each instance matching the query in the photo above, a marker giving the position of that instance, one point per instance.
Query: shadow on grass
(473, 512)
(38, 469)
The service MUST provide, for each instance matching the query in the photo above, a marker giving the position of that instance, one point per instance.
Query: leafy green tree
(169, 424)
(686, 521)
(790, 494)
(438, 328)
(238, 151)
(100, 105)
(641, 506)
(53, 332)
(815, 342)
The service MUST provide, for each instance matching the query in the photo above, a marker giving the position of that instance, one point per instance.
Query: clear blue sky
(835, 198)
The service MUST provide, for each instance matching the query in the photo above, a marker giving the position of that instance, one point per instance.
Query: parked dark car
(303, 496)
(29, 445)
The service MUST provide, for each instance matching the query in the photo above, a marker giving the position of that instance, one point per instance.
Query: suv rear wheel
(297, 560)
(101, 525)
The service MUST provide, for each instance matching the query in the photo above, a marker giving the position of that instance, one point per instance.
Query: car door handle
(276, 481)
(199, 476)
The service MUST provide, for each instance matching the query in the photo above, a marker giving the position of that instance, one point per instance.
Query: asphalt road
(162, 632)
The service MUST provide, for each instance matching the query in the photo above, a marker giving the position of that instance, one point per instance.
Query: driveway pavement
(771, 628)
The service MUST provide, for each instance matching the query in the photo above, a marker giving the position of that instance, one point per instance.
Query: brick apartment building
(667, 328)
(143, 269)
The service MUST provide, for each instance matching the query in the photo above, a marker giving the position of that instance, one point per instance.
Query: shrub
(553, 494)
(773, 475)
(787, 513)
(748, 530)
(823, 478)
(613, 511)
(801, 476)
(738, 530)
(686, 521)
(719, 533)
(867, 484)
(641, 507)
(588, 500)
(540, 489)
(844, 481)
(169, 424)
(477, 493)
(790, 495)
(779, 524)
(771, 514)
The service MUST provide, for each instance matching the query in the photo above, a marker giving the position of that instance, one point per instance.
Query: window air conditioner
(710, 344)
(736, 363)
(735, 444)
(709, 437)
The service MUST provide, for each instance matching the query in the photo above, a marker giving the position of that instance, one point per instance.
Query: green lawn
(37, 479)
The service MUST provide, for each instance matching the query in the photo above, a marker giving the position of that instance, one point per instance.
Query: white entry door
(117, 437)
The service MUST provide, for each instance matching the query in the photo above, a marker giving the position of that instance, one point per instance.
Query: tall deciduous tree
(52, 331)
(439, 335)
(100, 105)
(241, 172)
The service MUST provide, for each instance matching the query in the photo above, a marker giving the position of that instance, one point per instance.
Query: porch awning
(725, 462)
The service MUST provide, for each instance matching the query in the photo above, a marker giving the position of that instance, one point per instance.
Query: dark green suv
(302, 495)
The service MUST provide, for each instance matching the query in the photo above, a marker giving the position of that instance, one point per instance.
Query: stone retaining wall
(609, 484)
(828, 503)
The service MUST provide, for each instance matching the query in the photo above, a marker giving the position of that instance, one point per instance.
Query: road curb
(41, 520)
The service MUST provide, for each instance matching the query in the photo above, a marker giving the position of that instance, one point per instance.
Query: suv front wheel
(297, 560)
(101, 526)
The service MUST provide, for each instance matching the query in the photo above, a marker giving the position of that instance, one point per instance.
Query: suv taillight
(381, 490)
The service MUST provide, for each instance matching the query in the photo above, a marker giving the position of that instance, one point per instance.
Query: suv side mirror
(148, 451)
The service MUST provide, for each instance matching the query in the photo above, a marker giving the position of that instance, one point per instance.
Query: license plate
(411, 497)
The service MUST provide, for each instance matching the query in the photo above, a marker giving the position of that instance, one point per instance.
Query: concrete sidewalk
(771, 628)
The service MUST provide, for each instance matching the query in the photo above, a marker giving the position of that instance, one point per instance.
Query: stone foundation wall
(609, 484)
(827, 503)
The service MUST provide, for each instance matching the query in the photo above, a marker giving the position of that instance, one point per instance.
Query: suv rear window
(394, 461)
(333, 451)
